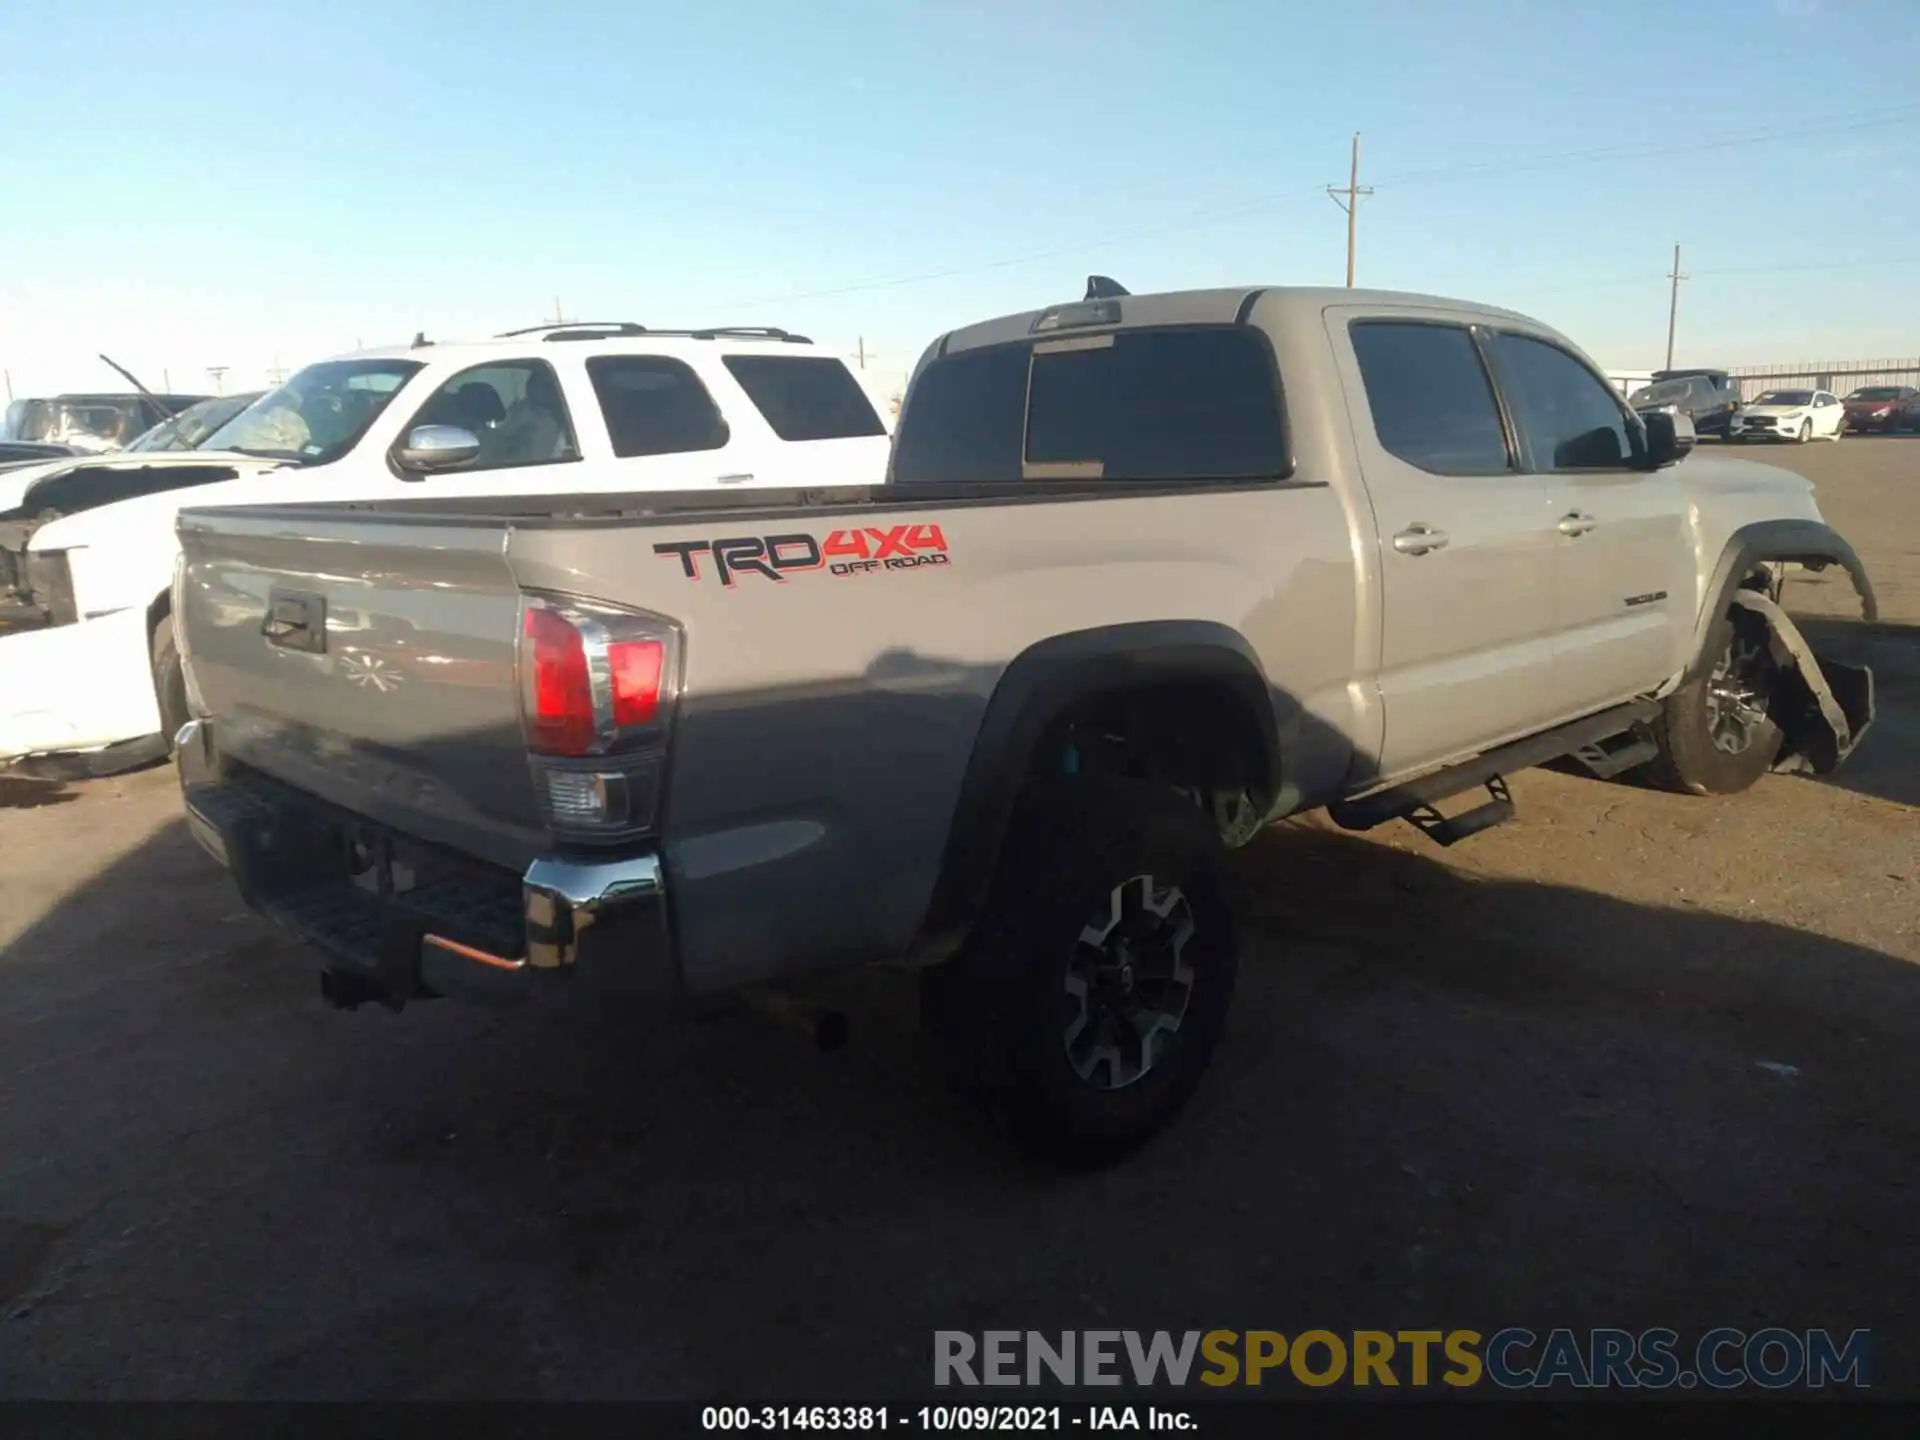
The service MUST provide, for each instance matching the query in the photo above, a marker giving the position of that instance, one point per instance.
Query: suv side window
(1190, 403)
(806, 397)
(655, 406)
(1567, 416)
(1432, 402)
(514, 408)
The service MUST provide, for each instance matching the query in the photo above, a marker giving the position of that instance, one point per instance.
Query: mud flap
(1825, 707)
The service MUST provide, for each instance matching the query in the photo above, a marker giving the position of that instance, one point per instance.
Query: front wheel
(1094, 992)
(1715, 734)
(1806, 433)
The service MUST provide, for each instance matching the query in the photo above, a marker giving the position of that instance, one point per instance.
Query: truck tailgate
(373, 666)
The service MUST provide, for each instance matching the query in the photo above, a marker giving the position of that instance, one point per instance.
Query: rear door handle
(1418, 538)
(1577, 524)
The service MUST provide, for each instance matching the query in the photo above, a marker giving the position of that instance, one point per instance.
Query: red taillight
(635, 667)
(559, 693)
(599, 685)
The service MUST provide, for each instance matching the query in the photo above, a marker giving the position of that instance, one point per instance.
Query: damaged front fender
(1823, 707)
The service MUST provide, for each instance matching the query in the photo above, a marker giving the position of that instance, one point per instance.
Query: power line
(1570, 158)
(1201, 218)
(1648, 279)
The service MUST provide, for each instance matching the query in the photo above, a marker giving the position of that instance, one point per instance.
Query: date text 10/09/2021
(937, 1419)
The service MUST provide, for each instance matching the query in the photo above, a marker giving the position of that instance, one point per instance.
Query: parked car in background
(1883, 407)
(87, 550)
(92, 423)
(1797, 415)
(1706, 397)
(190, 428)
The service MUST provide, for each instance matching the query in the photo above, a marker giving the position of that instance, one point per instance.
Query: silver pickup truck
(1149, 571)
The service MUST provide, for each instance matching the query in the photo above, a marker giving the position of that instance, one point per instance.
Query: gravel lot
(1516, 1083)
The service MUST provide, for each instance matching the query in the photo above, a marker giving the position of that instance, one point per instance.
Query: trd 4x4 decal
(843, 552)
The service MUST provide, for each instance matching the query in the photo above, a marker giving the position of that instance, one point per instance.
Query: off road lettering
(860, 551)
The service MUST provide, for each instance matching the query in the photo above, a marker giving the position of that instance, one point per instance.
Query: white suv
(88, 663)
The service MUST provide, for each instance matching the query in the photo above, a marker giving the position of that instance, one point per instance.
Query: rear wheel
(1715, 734)
(169, 681)
(1090, 1000)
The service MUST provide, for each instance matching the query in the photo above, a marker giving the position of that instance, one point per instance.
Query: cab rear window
(1193, 403)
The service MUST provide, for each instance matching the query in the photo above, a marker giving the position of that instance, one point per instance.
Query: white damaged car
(90, 677)
(1798, 415)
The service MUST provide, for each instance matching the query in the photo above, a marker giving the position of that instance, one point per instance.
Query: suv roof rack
(616, 327)
(598, 329)
(741, 332)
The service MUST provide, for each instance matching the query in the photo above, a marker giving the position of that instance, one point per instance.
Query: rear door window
(1432, 402)
(655, 406)
(806, 397)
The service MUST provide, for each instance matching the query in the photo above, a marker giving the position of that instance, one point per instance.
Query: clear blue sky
(240, 183)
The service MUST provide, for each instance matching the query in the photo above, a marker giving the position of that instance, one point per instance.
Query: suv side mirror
(430, 448)
(1670, 438)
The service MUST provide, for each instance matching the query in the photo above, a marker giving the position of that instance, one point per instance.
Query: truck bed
(829, 706)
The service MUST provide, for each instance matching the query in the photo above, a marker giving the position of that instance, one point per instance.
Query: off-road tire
(1689, 762)
(169, 681)
(998, 1014)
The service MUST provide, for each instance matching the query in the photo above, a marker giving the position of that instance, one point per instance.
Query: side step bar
(1605, 759)
(1414, 800)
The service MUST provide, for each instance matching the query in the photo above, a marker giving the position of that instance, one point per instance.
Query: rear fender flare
(1042, 686)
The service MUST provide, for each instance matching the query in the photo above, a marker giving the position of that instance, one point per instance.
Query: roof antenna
(419, 339)
(1100, 287)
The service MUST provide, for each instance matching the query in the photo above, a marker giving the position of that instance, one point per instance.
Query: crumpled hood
(17, 480)
(18, 485)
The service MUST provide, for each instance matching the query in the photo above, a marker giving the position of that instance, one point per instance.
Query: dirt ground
(1631, 1060)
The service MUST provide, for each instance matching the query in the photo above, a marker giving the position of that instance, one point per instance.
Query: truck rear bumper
(397, 919)
(77, 687)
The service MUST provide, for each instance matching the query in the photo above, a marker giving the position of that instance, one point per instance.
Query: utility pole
(9, 375)
(1673, 303)
(863, 352)
(558, 318)
(217, 372)
(1354, 192)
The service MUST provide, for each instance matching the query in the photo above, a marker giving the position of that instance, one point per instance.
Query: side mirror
(1670, 438)
(430, 448)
